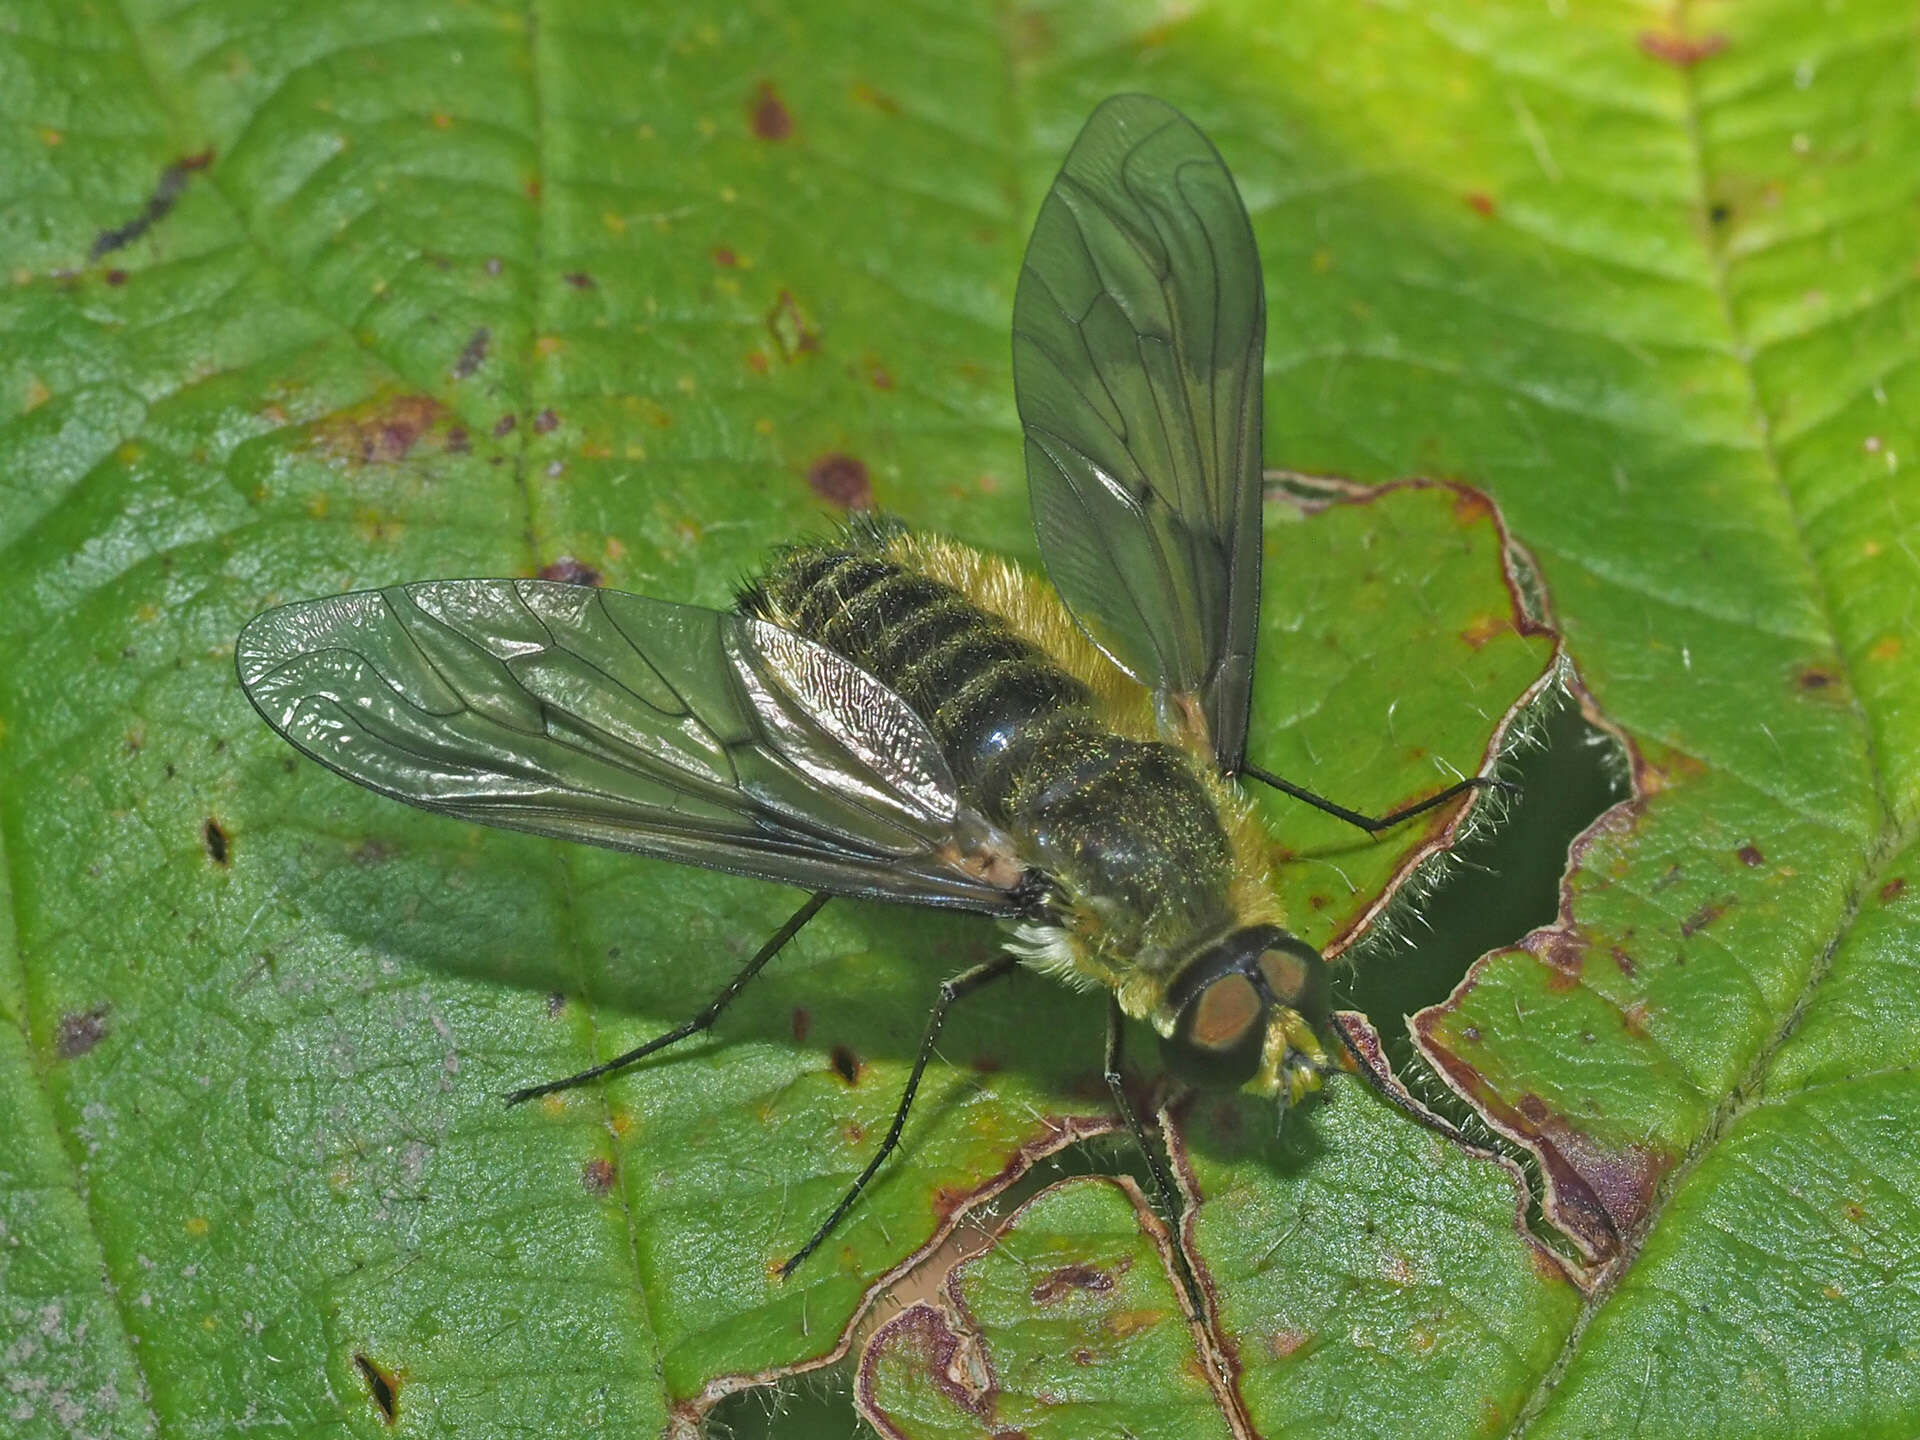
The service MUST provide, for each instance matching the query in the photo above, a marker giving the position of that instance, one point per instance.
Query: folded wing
(668, 730)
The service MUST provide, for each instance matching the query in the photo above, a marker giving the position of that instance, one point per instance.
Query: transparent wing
(1138, 330)
(591, 715)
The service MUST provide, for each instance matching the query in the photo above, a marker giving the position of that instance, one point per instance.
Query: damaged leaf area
(290, 306)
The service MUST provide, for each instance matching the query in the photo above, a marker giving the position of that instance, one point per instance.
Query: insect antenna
(1374, 824)
(704, 1020)
(960, 985)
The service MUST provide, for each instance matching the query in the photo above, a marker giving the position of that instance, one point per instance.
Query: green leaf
(294, 299)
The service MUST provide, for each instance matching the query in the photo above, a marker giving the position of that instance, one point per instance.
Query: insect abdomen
(1123, 819)
(987, 694)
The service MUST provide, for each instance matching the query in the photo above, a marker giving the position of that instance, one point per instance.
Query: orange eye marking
(1224, 1011)
(1286, 975)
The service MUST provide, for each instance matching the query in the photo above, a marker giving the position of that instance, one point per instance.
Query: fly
(893, 716)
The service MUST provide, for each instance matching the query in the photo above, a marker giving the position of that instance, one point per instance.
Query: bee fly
(894, 716)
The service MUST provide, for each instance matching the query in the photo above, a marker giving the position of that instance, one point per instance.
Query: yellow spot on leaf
(37, 393)
(197, 1226)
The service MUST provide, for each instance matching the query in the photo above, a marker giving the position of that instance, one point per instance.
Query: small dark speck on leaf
(216, 841)
(457, 441)
(724, 257)
(474, 354)
(382, 1385)
(116, 277)
(768, 114)
(1482, 204)
(1750, 855)
(504, 426)
(580, 280)
(1705, 916)
(802, 1023)
(845, 1064)
(1815, 678)
(1720, 214)
(78, 1033)
(545, 421)
(597, 1176)
(842, 480)
(166, 194)
(1893, 889)
(569, 571)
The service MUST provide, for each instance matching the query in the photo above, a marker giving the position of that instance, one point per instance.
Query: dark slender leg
(699, 1022)
(964, 983)
(1371, 824)
(1117, 1083)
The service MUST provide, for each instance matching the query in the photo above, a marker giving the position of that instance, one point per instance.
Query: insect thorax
(1128, 828)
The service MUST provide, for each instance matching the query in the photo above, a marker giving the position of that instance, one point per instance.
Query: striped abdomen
(1126, 822)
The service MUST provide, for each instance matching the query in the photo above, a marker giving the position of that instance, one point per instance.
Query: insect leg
(699, 1022)
(1372, 824)
(964, 983)
(1117, 1083)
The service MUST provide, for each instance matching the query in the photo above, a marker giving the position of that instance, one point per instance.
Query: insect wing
(670, 730)
(1138, 332)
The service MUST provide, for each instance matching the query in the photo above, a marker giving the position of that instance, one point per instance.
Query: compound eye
(1287, 975)
(1223, 1013)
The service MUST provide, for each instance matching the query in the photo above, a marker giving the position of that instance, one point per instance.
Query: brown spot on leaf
(1893, 889)
(1750, 855)
(457, 441)
(1681, 51)
(382, 1384)
(1625, 961)
(1815, 678)
(579, 280)
(1533, 1108)
(791, 328)
(1072, 1277)
(79, 1032)
(1485, 628)
(724, 257)
(116, 277)
(215, 839)
(768, 113)
(1470, 507)
(841, 480)
(1288, 1342)
(597, 1176)
(802, 1023)
(845, 1064)
(504, 426)
(381, 433)
(545, 422)
(1705, 916)
(1123, 1323)
(1634, 1017)
(569, 571)
(473, 354)
(1481, 203)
